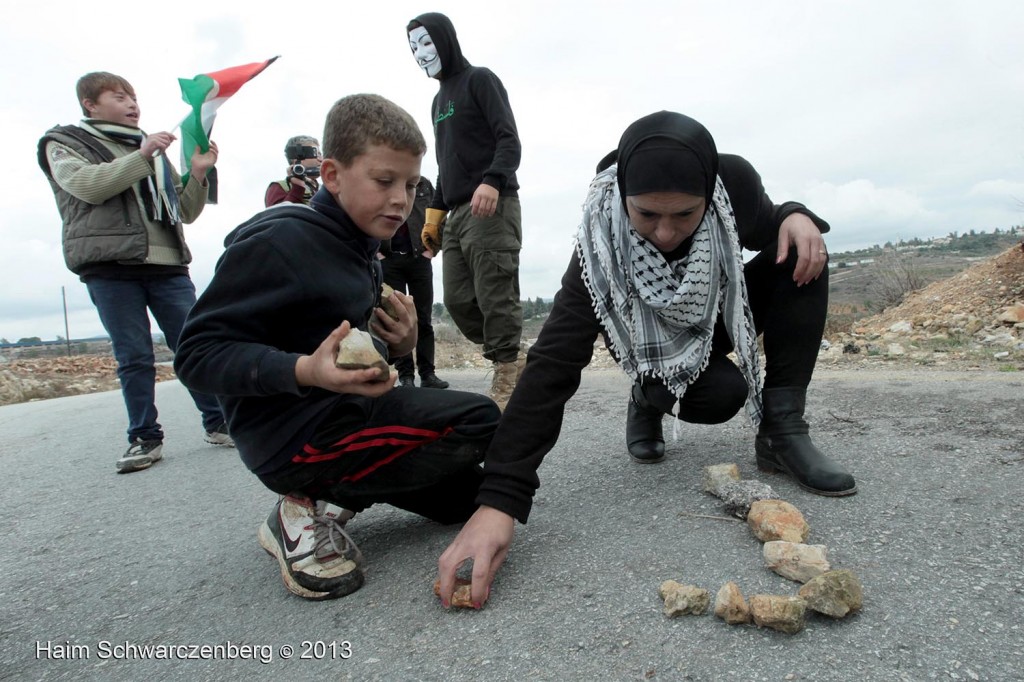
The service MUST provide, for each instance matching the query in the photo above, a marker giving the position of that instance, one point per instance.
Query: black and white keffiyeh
(660, 316)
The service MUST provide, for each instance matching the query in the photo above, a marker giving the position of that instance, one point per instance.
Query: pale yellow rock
(387, 304)
(795, 560)
(730, 605)
(683, 599)
(356, 351)
(718, 474)
(835, 593)
(778, 612)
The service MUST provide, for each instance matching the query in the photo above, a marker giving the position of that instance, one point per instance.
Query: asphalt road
(95, 565)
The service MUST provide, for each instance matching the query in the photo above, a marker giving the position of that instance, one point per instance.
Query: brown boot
(506, 374)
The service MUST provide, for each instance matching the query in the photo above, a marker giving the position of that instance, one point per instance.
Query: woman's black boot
(783, 445)
(644, 438)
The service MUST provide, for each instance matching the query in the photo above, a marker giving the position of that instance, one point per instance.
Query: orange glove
(431, 234)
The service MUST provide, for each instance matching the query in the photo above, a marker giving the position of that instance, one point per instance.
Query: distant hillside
(972, 243)
(854, 275)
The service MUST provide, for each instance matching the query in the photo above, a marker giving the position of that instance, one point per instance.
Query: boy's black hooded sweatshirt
(475, 132)
(287, 278)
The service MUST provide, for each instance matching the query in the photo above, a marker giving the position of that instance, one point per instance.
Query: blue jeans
(122, 305)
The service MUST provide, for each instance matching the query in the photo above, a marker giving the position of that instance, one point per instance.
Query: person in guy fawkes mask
(478, 152)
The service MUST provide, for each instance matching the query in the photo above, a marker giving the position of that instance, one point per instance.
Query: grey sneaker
(318, 559)
(220, 436)
(141, 454)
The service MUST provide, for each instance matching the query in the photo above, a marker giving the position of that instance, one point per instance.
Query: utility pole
(67, 336)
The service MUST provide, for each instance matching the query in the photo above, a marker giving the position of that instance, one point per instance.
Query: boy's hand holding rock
(395, 322)
(320, 369)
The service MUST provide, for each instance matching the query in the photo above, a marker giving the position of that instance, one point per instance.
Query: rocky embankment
(973, 318)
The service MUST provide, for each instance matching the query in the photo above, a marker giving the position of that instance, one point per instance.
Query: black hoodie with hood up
(475, 132)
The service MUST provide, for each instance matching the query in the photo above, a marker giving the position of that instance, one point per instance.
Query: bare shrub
(894, 276)
(446, 332)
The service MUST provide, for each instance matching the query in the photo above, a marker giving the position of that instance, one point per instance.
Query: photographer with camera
(303, 154)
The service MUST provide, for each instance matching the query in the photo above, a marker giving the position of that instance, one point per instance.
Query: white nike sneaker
(220, 436)
(318, 559)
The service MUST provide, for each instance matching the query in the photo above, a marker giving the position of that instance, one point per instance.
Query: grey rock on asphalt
(169, 556)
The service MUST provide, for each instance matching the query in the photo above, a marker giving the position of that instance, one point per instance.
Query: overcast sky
(892, 120)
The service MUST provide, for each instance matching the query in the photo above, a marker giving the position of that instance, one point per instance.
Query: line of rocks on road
(784, 532)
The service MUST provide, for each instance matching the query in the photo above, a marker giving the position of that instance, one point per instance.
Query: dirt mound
(41, 378)
(982, 291)
(975, 315)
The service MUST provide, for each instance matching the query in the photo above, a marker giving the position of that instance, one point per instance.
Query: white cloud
(999, 189)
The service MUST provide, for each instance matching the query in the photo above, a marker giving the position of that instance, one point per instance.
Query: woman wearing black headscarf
(658, 271)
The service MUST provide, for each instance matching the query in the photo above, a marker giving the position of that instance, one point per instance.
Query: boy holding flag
(122, 205)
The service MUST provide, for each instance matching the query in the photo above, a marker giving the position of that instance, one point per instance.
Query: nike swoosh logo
(289, 544)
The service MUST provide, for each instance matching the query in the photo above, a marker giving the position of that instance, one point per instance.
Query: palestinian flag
(205, 93)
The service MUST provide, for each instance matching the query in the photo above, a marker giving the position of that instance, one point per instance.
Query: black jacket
(288, 277)
(414, 223)
(475, 131)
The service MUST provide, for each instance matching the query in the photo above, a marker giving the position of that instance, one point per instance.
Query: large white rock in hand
(357, 351)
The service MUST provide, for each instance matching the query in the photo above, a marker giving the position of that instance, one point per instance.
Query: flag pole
(67, 336)
(156, 152)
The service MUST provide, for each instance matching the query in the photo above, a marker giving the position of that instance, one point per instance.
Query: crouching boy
(292, 283)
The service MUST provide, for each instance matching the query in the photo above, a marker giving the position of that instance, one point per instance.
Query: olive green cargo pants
(481, 277)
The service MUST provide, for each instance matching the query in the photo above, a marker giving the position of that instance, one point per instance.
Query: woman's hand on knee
(799, 231)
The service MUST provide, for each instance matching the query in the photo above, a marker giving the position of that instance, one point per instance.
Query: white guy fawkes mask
(424, 51)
